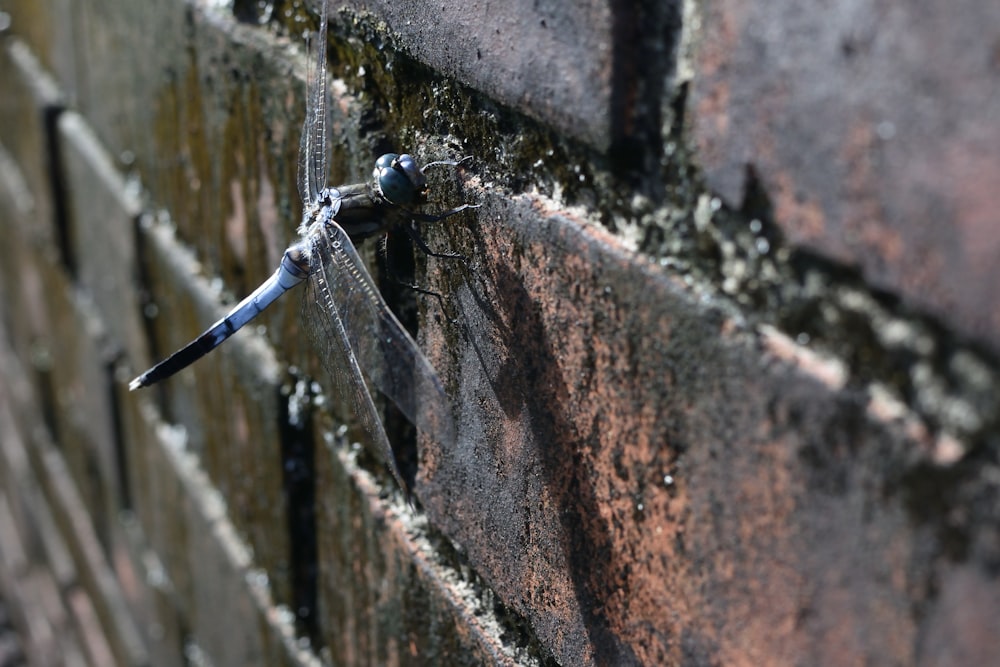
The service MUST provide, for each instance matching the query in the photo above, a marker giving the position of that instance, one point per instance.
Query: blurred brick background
(724, 358)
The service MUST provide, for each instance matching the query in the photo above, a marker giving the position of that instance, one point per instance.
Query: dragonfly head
(399, 180)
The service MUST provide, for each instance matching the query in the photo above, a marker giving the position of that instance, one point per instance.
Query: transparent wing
(312, 147)
(356, 333)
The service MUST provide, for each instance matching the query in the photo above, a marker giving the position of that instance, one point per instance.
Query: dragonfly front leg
(414, 233)
(388, 267)
(427, 217)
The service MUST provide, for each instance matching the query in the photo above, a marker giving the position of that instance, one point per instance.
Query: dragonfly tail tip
(135, 384)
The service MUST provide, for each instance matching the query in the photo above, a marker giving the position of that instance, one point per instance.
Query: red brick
(873, 131)
(788, 530)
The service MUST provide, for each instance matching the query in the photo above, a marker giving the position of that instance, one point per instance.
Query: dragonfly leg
(414, 233)
(427, 217)
(428, 292)
(398, 280)
(448, 163)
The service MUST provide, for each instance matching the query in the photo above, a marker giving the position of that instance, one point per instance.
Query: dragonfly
(355, 332)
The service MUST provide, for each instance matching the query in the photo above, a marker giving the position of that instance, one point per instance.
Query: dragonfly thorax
(399, 180)
(327, 203)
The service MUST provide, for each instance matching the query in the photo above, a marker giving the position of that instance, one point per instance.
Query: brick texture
(722, 352)
(873, 128)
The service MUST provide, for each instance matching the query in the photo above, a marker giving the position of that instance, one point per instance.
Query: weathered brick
(96, 577)
(102, 216)
(208, 119)
(30, 97)
(70, 365)
(25, 316)
(149, 593)
(383, 596)
(649, 480)
(69, 547)
(646, 471)
(555, 61)
(119, 101)
(212, 572)
(57, 335)
(872, 130)
(47, 26)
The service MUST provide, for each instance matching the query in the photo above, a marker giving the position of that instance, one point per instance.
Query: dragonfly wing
(313, 145)
(328, 334)
(354, 322)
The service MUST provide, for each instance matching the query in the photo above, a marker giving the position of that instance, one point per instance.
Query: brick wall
(723, 358)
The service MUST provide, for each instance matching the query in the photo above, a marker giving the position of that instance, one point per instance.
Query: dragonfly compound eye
(384, 162)
(399, 179)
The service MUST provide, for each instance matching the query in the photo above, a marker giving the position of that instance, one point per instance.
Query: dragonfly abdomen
(293, 270)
